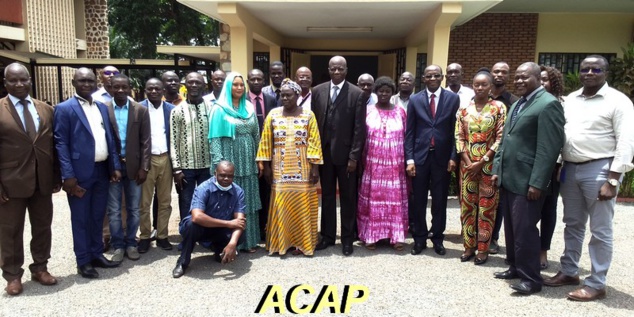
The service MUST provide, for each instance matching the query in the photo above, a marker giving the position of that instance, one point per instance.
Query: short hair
(605, 60)
(120, 75)
(556, 80)
(277, 63)
(384, 81)
(153, 78)
(225, 162)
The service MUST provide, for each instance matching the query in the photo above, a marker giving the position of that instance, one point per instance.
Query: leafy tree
(136, 27)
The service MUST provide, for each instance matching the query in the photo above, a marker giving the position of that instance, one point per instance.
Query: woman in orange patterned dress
(478, 134)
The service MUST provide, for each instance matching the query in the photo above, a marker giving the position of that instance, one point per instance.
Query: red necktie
(432, 108)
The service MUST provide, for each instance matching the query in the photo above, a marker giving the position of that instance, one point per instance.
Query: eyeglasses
(110, 72)
(591, 70)
(436, 76)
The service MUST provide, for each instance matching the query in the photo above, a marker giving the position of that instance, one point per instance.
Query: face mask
(224, 189)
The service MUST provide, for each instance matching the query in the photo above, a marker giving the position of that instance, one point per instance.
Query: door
(298, 60)
(387, 65)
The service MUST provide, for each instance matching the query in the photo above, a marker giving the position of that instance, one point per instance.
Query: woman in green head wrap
(234, 136)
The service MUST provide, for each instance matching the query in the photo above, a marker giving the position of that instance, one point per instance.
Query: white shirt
(437, 94)
(396, 100)
(599, 126)
(95, 120)
(157, 128)
(210, 98)
(19, 108)
(101, 95)
(465, 94)
(373, 99)
(306, 101)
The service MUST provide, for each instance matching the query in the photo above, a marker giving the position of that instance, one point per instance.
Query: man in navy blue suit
(430, 151)
(88, 159)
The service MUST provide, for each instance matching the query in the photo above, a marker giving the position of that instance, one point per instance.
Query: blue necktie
(520, 104)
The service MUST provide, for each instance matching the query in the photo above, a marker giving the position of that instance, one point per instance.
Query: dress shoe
(179, 270)
(87, 271)
(560, 279)
(101, 261)
(439, 249)
(322, 245)
(144, 245)
(14, 287)
(586, 294)
(347, 249)
(526, 288)
(494, 247)
(418, 248)
(44, 278)
(164, 244)
(506, 275)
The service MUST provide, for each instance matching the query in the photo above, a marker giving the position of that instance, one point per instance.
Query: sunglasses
(110, 72)
(591, 70)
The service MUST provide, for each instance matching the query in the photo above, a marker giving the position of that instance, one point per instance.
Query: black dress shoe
(87, 271)
(439, 249)
(526, 288)
(418, 248)
(178, 271)
(322, 245)
(144, 245)
(506, 275)
(347, 249)
(101, 261)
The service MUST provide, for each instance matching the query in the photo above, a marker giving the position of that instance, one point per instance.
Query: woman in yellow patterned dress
(289, 155)
(478, 134)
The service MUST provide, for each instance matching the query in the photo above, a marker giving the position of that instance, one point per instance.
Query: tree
(136, 27)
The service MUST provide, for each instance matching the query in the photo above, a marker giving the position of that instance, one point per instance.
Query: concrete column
(438, 46)
(410, 59)
(241, 50)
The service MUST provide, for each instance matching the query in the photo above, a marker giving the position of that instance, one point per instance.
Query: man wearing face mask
(217, 215)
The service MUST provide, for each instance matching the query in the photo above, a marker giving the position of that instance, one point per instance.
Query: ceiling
(388, 19)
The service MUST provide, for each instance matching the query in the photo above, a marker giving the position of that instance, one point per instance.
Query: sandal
(398, 246)
(481, 258)
(370, 246)
(467, 255)
(252, 250)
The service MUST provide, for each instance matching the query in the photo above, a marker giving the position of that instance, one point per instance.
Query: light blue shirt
(121, 116)
(102, 96)
(20, 110)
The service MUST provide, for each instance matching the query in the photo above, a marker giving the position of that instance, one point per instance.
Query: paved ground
(400, 284)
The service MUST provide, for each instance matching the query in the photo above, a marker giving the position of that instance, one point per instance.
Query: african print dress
(292, 144)
(382, 209)
(477, 133)
(241, 151)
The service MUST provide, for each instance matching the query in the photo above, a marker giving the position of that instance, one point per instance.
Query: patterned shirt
(189, 146)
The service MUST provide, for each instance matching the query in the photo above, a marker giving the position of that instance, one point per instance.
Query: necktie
(277, 95)
(259, 107)
(432, 108)
(29, 124)
(335, 89)
(518, 107)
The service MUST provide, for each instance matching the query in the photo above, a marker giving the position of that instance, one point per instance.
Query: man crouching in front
(216, 215)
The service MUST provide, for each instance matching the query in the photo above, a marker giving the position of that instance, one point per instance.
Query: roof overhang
(209, 53)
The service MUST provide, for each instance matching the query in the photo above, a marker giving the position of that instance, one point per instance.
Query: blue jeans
(193, 178)
(132, 201)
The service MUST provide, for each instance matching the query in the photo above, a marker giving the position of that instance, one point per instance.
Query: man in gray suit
(522, 167)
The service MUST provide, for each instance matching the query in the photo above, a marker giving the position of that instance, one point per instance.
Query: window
(261, 62)
(421, 64)
(568, 62)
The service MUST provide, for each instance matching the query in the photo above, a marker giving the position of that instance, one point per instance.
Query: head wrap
(292, 85)
(220, 125)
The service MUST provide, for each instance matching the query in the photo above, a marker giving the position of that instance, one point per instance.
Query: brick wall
(494, 37)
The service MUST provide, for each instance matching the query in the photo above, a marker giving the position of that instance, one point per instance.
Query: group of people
(246, 163)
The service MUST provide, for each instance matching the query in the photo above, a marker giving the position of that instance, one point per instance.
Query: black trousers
(432, 175)
(522, 236)
(549, 215)
(265, 198)
(331, 175)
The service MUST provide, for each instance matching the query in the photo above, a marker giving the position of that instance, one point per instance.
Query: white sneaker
(132, 253)
(118, 255)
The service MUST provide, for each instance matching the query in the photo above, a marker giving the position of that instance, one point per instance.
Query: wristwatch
(614, 182)
(486, 158)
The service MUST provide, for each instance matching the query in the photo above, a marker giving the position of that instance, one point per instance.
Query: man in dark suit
(130, 123)
(29, 174)
(430, 151)
(339, 108)
(159, 178)
(263, 104)
(88, 160)
(522, 168)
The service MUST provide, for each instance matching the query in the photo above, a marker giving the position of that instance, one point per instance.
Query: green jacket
(529, 148)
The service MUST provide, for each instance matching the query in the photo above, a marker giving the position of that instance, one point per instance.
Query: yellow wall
(583, 33)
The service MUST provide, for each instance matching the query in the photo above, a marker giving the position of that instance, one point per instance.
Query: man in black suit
(339, 108)
(430, 151)
(263, 103)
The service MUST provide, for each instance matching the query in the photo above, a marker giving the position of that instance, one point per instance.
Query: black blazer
(421, 127)
(346, 116)
(269, 104)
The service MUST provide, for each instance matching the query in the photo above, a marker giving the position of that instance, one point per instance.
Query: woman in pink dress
(382, 209)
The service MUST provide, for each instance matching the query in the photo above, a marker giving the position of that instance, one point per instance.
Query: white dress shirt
(97, 127)
(157, 127)
(465, 94)
(599, 126)
(305, 101)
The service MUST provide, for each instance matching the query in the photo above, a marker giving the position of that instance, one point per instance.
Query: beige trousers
(159, 177)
